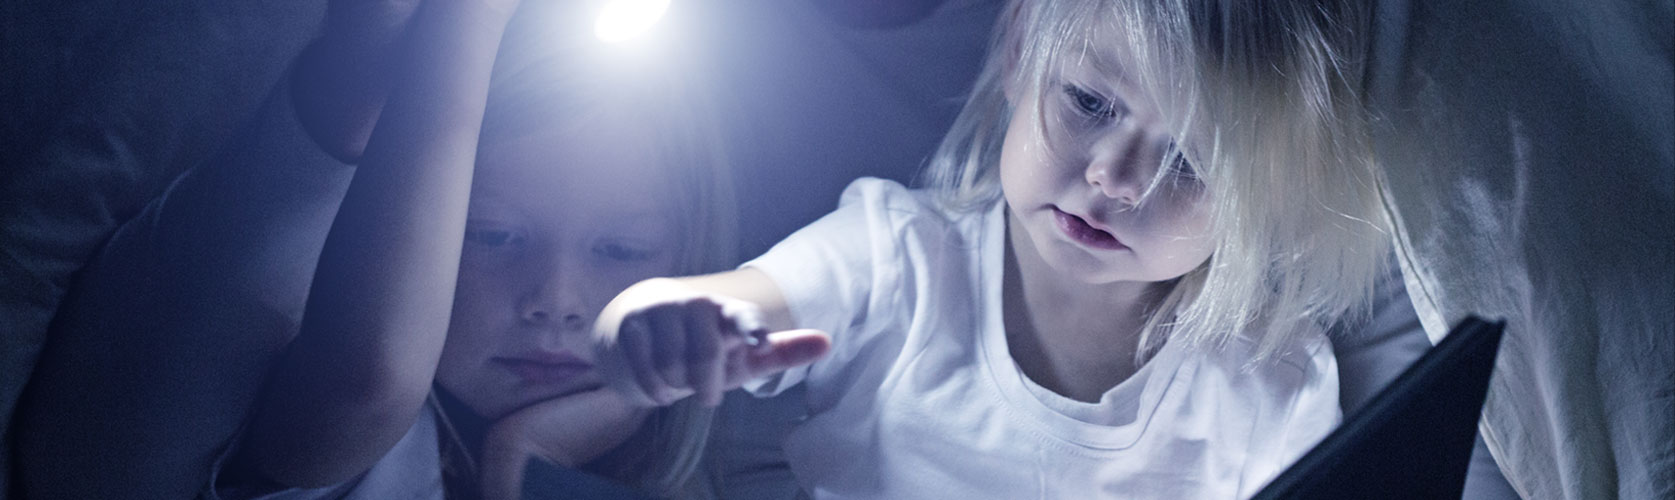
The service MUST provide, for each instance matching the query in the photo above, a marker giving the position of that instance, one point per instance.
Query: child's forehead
(1085, 67)
(569, 204)
(572, 163)
(1097, 52)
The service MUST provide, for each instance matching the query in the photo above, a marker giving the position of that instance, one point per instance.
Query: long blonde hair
(568, 86)
(1265, 97)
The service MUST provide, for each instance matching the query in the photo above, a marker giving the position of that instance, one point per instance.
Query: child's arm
(668, 338)
(664, 339)
(354, 379)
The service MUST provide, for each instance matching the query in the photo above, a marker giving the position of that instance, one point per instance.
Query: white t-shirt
(920, 398)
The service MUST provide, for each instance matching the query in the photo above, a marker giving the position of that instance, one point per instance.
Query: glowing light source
(621, 20)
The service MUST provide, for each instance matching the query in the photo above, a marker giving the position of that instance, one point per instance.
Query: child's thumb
(786, 350)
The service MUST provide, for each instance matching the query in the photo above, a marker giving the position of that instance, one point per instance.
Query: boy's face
(560, 222)
(1073, 167)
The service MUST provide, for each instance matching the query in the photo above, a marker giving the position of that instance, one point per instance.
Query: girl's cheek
(485, 278)
(1193, 217)
(473, 276)
(490, 264)
(1177, 213)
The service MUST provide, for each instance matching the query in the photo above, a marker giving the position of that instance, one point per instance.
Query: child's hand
(660, 341)
(568, 431)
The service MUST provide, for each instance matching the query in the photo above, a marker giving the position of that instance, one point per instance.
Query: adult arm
(354, 379)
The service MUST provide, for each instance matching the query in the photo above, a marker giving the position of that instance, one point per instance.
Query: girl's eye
(492, 237)
(1089, 104)
(623, 252)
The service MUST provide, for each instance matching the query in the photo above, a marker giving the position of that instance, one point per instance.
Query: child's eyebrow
(1090, 57)
(1115, 74)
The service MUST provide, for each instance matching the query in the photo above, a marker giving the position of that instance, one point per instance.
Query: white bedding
(1529, 155)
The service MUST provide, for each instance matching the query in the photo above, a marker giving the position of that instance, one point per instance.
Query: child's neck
(1073, 338)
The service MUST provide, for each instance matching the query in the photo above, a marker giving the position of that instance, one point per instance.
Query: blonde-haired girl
(445, 333)
(1259, 92)
(1096, 298)
(443, 344)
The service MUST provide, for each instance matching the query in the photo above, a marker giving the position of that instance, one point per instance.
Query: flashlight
(622, 20)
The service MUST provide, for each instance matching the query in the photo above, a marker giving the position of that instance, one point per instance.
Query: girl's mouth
(1081, 232)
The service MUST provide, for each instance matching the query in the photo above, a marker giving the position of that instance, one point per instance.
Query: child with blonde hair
(463, 272)
(1096, 297)
(444, 341)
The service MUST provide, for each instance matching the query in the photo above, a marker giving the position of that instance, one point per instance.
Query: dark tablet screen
(1412, 440)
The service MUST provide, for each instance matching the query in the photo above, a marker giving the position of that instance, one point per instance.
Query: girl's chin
(1079, 265)
(523, 396)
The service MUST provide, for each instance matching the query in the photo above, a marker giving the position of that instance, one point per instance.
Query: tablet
(1414, 439)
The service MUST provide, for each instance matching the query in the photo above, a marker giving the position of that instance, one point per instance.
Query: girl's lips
(1079, 231)
(545, 368)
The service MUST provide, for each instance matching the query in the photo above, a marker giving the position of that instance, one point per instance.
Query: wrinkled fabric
(1528, 156)
(104, 103)
(159, 352)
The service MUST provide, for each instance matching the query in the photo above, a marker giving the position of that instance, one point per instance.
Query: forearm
(749, 285)
(338, 95)
(342, 80)
(377, 315)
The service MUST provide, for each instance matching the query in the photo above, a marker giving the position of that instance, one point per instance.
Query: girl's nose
(555, 301)
(1118, 170)
(570, 321)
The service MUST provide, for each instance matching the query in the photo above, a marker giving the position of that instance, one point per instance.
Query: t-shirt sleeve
(833, 272)
(1311, 412)
(1315, 412)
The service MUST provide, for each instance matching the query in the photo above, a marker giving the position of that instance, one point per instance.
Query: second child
(1095, 298)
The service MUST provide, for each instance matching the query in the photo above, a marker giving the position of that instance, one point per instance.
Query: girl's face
(559, 223)
(1073, 167)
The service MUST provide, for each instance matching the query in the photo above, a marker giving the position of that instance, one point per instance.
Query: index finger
(782, 351)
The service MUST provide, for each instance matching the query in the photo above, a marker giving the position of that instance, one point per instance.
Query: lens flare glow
(622, 20)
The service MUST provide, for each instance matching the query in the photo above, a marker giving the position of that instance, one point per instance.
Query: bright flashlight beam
(622, 20)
